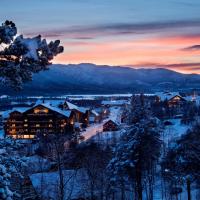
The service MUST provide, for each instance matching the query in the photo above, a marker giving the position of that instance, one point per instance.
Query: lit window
(37, 125)
(28, 136)
(25, 125)
(50, 125)
(13, 125)
(40, 111)
(26, 120)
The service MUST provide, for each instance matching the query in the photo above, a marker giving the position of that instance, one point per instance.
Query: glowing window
(41, 111)
(28, 136)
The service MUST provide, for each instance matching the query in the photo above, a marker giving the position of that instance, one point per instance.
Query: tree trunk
(139, 184)
(189, 189)
(61, 178)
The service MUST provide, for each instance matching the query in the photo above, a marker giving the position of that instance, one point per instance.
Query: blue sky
(122, 27)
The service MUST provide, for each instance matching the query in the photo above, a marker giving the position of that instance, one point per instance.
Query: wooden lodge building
(173, 99)
(41, 118)
(110, 125)
(81, 115)
(176, 100)
(44, 119)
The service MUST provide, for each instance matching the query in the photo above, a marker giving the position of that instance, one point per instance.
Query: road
(115, 113)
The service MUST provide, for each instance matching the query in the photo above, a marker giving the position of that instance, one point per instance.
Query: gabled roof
(83, 110)
(94, 112)
(70, 105)
(177, 96)
(167, 95)
(112, 121)
(114, 102)
(5, 114)
(66, 113)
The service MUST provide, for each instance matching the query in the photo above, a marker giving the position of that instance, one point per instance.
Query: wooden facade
(40, 119)
(110, 126)
(81, 115)
(176, 100)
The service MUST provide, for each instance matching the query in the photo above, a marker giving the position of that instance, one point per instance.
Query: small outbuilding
(110, 125)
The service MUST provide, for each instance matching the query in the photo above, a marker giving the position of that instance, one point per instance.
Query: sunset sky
(137, 33)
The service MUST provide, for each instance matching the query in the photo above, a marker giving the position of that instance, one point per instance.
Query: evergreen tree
(135, 157)
(11, 165)
(182, 162)
(21, 57)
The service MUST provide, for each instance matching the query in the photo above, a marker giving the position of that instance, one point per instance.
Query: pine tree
(182, 162)
(21, 57)
(136, 155)
(11, 165)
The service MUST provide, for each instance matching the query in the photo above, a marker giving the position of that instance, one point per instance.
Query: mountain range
(88, 78)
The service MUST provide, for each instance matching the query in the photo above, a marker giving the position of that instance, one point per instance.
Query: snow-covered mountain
(90, 78)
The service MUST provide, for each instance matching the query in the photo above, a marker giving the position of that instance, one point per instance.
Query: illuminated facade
(41, 119)
(176, 100)
(110, 125)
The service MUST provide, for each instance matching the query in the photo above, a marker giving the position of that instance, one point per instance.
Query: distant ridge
(86, 78)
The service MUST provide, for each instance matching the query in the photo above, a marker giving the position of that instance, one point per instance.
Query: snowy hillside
(90, 78)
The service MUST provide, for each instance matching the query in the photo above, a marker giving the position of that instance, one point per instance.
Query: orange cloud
(133, 51)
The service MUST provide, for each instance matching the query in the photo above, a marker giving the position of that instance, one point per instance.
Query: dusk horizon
(171, 67)
(121, 33)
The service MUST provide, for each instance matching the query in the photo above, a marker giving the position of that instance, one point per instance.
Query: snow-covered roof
(167, 95)
(4, 96)
(83, 110)
(113, 121)
(56, 103)
(5, 114)
(94, 112)
(114, 102)
(66, 113)
(71, 106)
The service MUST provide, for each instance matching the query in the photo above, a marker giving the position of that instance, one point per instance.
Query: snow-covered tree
(135, 157)
(20, 57)
(139, 109)
(182, 162)
(93, 159)
(11, 165)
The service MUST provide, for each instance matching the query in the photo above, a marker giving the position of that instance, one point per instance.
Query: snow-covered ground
(37, 164)
(174, 131)
(1, 134)
(159, 193)
(115, 113)
(47, 184)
